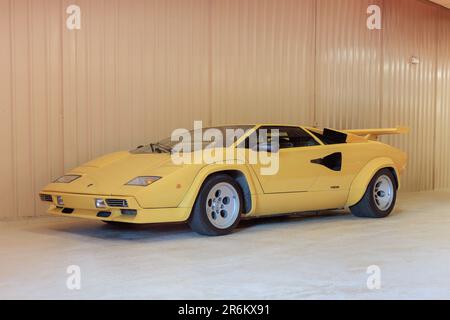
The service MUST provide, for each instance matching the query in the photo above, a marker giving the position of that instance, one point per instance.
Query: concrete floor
(280, 258)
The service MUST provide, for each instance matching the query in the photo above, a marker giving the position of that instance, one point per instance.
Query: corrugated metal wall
(409, 91)
(442, 132)
(349, 56)
(138, 69)
(262, 56)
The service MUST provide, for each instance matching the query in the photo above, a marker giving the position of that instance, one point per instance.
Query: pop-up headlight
(142, 181)
(67, 178)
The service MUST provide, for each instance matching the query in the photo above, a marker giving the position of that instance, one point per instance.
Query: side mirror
(267, 147)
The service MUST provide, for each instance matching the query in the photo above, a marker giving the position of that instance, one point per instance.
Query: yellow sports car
(264, 170)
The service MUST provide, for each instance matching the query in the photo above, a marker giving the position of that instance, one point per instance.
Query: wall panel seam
(47, 86)
(210, 62)
(61, 54)
(315, 86)
(13, 103)
(381, 66)
(436, 79)
(31, 117)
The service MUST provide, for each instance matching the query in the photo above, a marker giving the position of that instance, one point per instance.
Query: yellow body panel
(360, 183)
(299, 185)
(84, 207)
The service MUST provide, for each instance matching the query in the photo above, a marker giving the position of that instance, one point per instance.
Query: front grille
(103, 214)
(117, 203)
(128, 212)
(46, 197)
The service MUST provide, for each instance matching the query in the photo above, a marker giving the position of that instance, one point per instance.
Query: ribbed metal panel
(7, 181)
(349, 56)
(442, 151)
(445, 3)
(409, 90)
(135, 70)
(262, 61)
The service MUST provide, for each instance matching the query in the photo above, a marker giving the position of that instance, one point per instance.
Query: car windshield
(213, 137)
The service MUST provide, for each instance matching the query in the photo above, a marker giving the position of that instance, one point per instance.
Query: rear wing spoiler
(373, 134)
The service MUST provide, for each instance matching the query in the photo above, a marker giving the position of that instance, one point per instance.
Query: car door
(298, 170)
(349, 159)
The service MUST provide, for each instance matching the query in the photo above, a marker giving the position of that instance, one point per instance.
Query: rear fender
(361, 182)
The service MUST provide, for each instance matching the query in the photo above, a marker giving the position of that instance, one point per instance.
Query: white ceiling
(445, 3)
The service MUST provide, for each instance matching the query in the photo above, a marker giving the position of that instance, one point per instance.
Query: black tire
(367, 207)
(199, 220)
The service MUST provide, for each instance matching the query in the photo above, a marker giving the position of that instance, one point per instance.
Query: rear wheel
(217, 210)
(380, 197)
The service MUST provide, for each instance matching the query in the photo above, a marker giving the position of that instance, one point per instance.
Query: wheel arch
(240, 174)
(362, 180)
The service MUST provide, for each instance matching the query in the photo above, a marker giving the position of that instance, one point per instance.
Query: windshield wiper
(160, 148)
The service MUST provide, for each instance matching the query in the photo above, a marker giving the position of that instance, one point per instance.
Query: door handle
(332, 161)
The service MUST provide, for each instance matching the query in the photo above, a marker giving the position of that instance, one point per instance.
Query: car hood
(108, 175)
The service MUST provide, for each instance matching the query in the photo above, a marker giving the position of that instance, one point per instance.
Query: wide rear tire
(380, 197)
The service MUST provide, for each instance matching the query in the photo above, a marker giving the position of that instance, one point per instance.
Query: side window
(292, 137)
(324, 139)
(337, 138)
(289, 137)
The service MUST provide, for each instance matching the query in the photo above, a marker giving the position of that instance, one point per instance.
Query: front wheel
(217, 210)
(380, 197)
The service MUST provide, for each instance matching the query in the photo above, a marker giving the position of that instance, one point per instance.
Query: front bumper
(83, 206)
